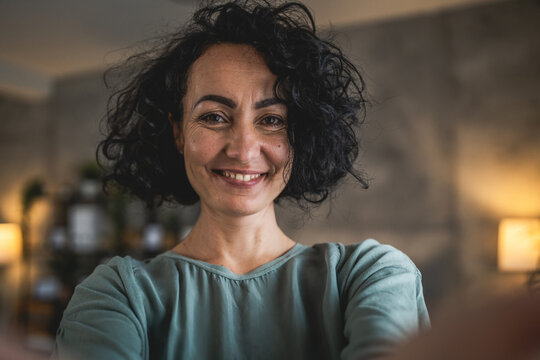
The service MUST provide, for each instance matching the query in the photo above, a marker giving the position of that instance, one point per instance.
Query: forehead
(240, 56)
(228, 67)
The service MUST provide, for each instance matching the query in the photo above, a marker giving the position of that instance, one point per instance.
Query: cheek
(200, 144)
(280, 153)
(200, 148)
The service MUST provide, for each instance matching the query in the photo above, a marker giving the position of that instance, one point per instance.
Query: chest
(267, 318)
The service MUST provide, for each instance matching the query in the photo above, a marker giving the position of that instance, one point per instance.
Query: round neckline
(224, 271)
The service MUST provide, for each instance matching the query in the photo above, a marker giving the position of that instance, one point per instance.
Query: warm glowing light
(10, 243)
(517, 189)
(519, 244)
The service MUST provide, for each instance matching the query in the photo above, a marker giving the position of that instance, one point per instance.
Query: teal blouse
(328, 301)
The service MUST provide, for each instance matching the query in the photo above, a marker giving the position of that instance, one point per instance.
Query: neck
(240, 243)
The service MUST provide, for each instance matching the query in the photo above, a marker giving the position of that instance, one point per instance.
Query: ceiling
(41, 41)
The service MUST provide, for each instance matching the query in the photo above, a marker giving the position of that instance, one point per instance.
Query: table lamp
(10, 243)
(519, 244)
(10, 251)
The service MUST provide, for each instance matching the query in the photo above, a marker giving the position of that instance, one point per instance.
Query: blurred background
(451, 145)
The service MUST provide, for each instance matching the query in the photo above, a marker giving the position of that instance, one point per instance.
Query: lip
(239, 183)
(243, 172)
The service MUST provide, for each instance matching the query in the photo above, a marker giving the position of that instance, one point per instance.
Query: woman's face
(233, 134)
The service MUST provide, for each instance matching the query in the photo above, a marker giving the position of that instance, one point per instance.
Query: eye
(213, 119)
(272, 121)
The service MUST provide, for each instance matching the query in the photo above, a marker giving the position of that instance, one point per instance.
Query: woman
(245, 107)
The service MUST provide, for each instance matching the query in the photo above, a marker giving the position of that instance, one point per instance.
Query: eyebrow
(232, 104)
(268, 102)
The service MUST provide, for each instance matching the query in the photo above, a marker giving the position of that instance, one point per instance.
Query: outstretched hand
(505, 327)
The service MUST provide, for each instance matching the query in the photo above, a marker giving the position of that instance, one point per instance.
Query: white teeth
(241, 177)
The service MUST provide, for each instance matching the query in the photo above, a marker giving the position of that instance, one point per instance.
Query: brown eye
(273, 121)
(213, 118)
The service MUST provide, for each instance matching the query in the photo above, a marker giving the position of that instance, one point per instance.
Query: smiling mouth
(238, 176)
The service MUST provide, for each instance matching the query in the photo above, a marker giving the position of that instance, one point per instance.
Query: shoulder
(135, 274)
(366, 257)
(370, 268)
(111, 279)
(122, 271)
(126, 282)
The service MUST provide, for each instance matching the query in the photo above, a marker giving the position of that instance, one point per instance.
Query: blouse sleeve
(101, 320)
(383, 300)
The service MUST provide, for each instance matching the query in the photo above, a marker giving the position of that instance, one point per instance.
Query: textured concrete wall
(75, 113)
(24, 150)
(497, 71)
(451, 142)
(49, 140)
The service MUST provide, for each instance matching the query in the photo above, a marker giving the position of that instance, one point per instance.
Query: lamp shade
(519, 244)
(10, 243)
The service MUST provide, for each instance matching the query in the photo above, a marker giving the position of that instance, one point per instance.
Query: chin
(245, 208)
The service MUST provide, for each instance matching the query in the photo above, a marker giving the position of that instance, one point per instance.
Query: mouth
(240, 177)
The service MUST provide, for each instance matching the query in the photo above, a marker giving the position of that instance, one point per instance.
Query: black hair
(322, 89)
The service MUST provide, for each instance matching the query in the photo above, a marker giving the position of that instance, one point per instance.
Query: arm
(383, 301)
(101, 321)
(497, 328)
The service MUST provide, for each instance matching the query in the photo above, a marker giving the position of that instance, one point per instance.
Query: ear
(177, 133)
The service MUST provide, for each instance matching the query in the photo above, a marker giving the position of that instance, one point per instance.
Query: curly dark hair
(322, 89)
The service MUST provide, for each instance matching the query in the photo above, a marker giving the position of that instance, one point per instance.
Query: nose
(244, 143)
